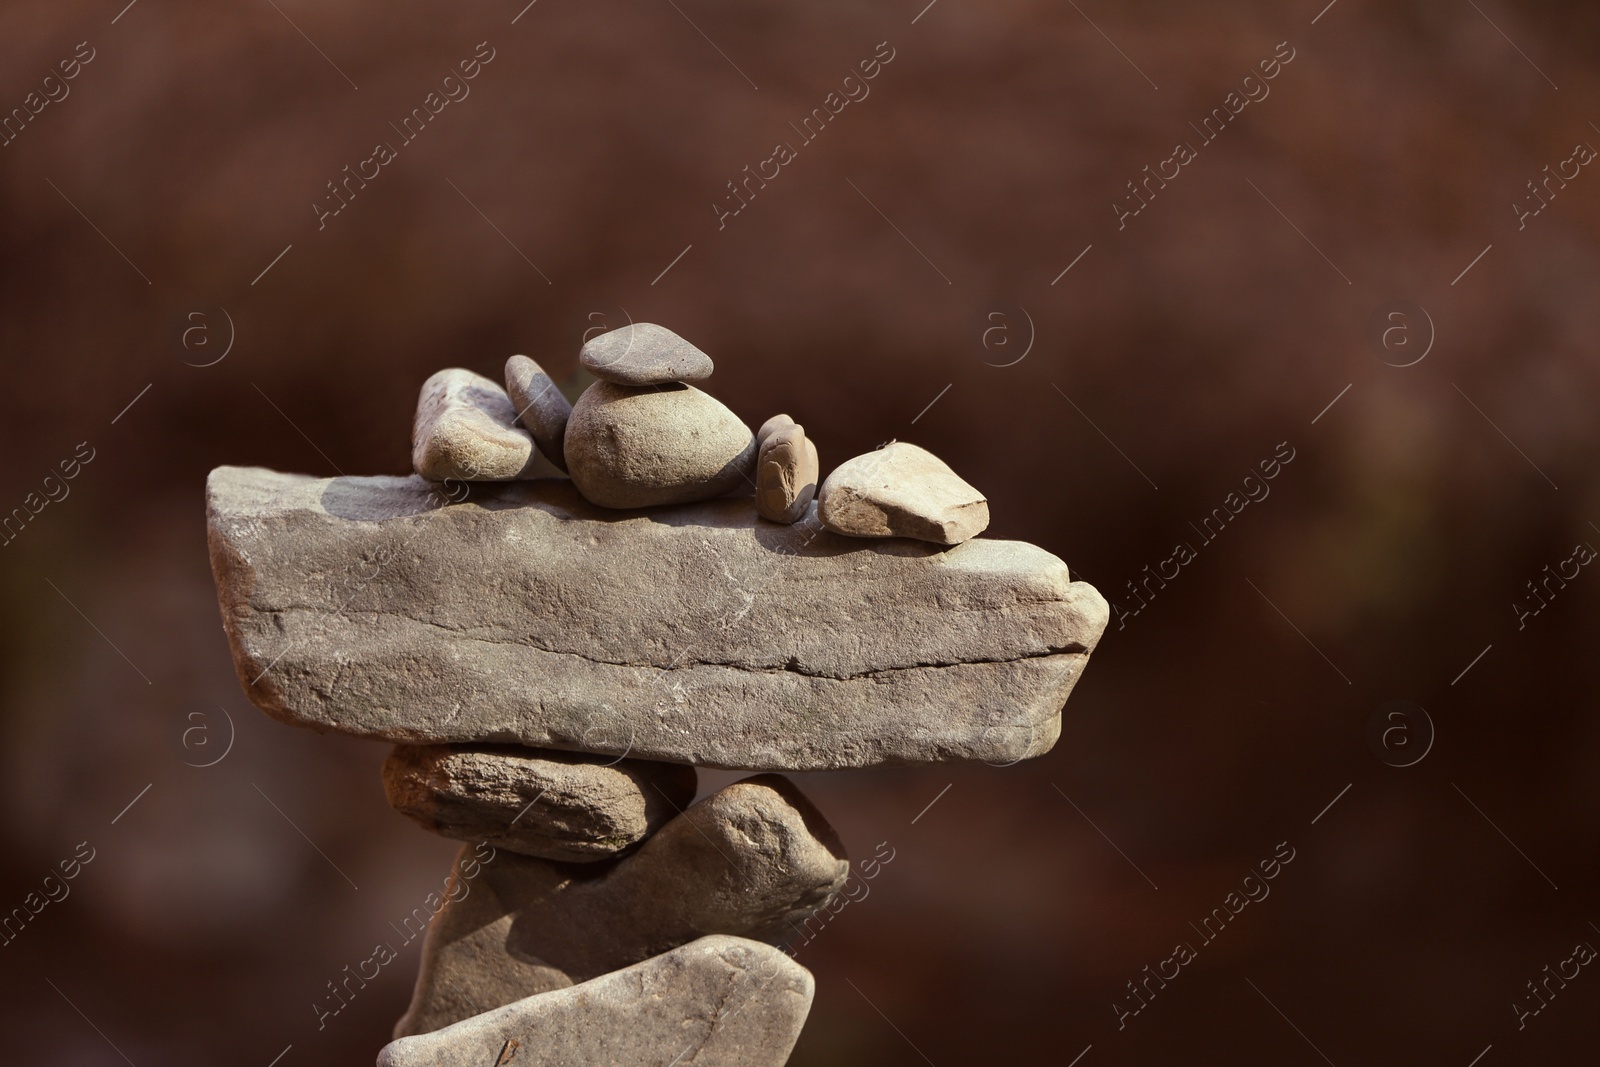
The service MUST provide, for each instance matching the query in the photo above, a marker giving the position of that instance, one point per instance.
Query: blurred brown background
(856, 286)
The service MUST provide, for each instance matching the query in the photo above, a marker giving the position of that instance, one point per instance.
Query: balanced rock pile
(552, 657)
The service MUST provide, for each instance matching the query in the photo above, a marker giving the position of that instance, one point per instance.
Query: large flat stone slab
(716, 1002)
(694, 633)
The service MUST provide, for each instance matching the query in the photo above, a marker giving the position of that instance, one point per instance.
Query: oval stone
(630, 447)
(564, 806)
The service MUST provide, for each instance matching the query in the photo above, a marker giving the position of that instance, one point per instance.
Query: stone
(632, 447)
(465, 969)
(466, 429)
(643, 353)
(786, 475)
(554, 805)
(540, 406)
(771, 426)
(380, 608)
(716, 1002)
(755, 859)
(901, 491)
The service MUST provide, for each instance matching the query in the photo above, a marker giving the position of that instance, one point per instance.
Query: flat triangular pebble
(643, 353)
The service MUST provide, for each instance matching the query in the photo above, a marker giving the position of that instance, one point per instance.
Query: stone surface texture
(541, 408)
(466, 428)
(754, 859)
(630, 447)
(700, 634)
(643, 353)
(786, 475)
(554, 805)
(715, 1002)
(901, 490)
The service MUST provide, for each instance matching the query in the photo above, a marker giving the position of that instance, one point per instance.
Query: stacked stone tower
(553, 656)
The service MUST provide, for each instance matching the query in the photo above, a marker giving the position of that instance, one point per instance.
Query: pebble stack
(553, 658)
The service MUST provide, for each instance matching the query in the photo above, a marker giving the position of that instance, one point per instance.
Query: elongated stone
(696, 634)
(754, 859)
(716, 1002)
(540, 407)
(466, 429)
(786, 475)
(555, 805)
(772, 426)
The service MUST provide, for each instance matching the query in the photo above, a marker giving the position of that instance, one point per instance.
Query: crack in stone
(790, 666)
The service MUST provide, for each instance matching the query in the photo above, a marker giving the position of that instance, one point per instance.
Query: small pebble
(643, 353)
(466, 428)
(771, 426)
(786, 474)
(901, 491)
(540, 407)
